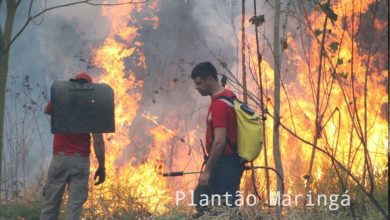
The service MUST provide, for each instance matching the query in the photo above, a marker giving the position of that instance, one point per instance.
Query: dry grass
(255, 213)
(30, 211)
(125, 204)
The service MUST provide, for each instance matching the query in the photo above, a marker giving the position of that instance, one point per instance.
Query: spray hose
(251, 167)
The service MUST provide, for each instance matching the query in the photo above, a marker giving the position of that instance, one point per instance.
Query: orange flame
(128, 187)
(134, 185)
(298, 95)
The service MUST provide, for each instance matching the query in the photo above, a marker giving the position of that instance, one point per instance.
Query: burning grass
(126, 201)
(31, 210)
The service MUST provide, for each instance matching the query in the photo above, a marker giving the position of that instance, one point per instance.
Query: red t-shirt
(69, 143)
(221, 115)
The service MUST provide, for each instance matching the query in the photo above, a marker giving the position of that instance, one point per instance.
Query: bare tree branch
(252, 97)
(360, 21)
(88, 2)
(340, 83)
(318, 116)
(115, 4)
(259, 59)
(367, 155)
(9, 22)
(356, 124)
(356, 180)
(343, 185)
(1, 36)
(30, 8)
(347, 99)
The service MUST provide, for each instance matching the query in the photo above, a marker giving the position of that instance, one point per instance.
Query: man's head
(205, 78)
(82, 77)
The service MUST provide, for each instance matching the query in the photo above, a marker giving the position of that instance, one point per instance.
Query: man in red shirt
(223, 170)
(70, 168)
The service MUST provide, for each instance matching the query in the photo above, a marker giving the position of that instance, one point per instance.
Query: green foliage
(381, 192)
(26, 210)
(317, 32)
(343, 75)
(334, 46)
(329, 12)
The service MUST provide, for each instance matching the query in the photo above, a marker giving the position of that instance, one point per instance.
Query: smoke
(54, 46)
(189, 32)
(62, 41)
(55, 42)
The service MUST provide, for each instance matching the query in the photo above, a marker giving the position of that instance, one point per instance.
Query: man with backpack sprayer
(70, 165)
(233, 137)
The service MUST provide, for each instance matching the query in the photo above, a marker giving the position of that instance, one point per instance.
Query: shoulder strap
(228, 100)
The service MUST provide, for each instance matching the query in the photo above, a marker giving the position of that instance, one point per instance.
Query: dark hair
(203, 70)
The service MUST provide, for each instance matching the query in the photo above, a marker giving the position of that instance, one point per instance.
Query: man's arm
(217, 148)
(99, 147)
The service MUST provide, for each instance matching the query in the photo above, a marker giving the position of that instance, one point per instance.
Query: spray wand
(182, 173)
(251, 167)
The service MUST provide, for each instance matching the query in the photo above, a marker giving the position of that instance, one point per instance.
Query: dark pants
(224, 180)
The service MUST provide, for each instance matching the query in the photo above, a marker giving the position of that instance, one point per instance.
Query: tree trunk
(3, 82)
(277, 66)
(5, 38)
(245, 94)
(262, 107)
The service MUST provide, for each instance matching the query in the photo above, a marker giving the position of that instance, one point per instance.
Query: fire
(130, 185)
(339, 136)
(162, 134)
(135, 183)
